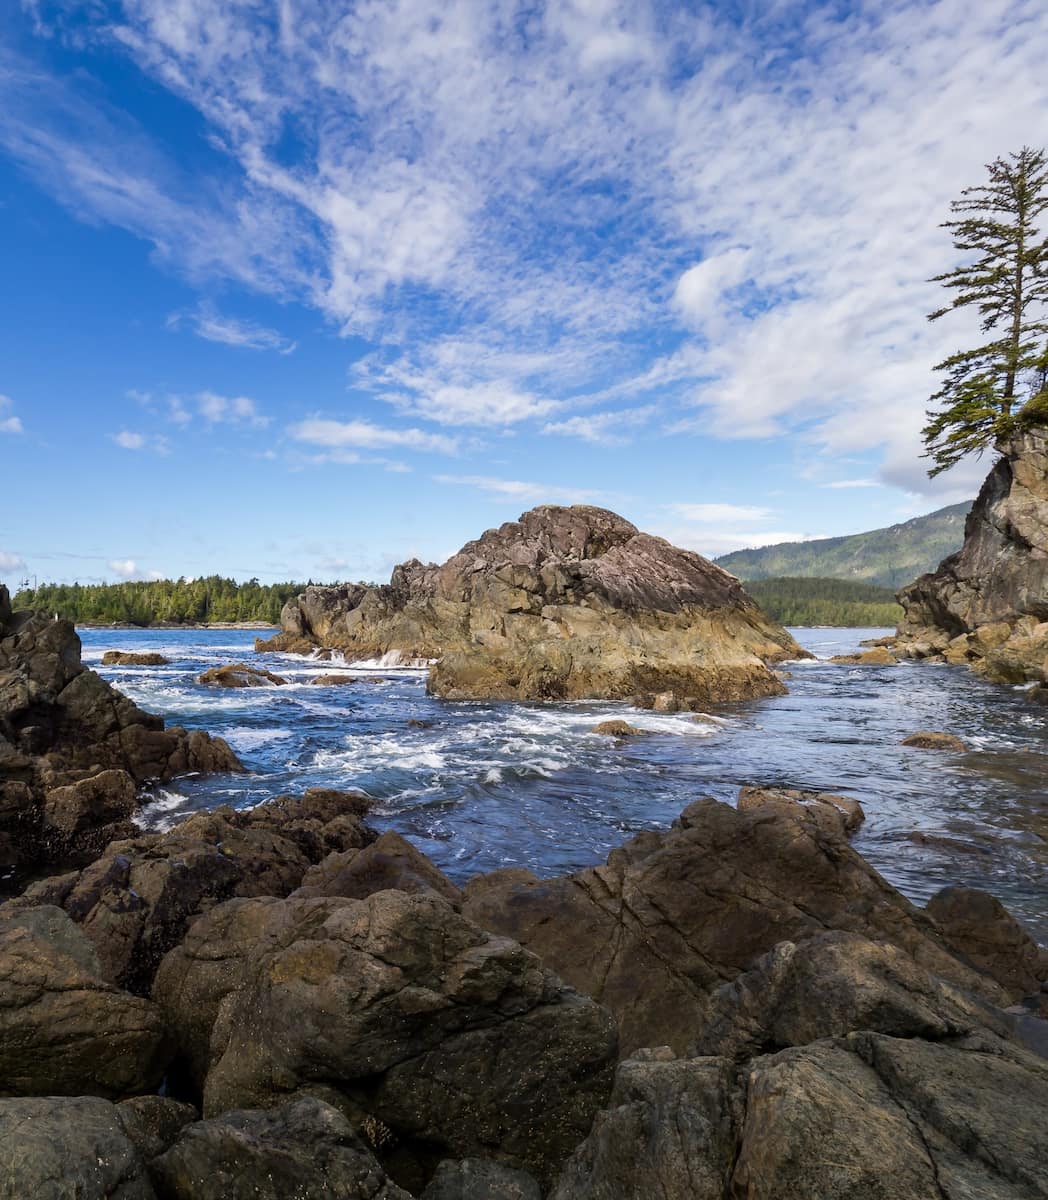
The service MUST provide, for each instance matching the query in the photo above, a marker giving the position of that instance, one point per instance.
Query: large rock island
(987, 605)
(564, 604)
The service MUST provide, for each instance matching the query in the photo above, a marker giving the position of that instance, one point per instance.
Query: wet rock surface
(566, 603)
(240, 675)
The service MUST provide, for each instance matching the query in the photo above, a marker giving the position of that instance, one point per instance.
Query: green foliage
(808, 601)
(1007, 283)
(167, 601)
(889, 557)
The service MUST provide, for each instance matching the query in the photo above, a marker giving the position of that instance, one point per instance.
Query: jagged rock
(879, 656)
(618, 728)
(57, 1147)
(480, 1179)
(136, 901)
(133, 658)
(240, 675)
(566, 603)
(460, 1043)
(979, 927)
(334, 680)
(63, 1029)
(866, 1117)
(837, 813)
(304, 1150)
(389, 862)
(987, 605)
(673, 915)
(935, 741)
(69, 745)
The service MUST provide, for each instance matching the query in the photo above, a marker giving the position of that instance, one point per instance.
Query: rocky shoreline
(564, 604)
(283, 1002)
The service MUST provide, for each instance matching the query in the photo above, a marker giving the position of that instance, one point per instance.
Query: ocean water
(485, 785)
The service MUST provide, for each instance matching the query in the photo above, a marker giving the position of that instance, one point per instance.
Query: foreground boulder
(987, 605)
(134, 658)
(674, 915)
(73, 750)
(240, 675)
(63, 1029)
(458, 1043)
(137, 900)
(566, 603)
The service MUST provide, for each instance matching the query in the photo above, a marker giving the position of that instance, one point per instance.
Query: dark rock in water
(63, 1029)
(240, 675)
(879, 656)
(57, 1148)
(136, 901)
(480, 1179)
(73, 750)
(460, 1043)
(333, 680)
(133, 658)
(979, 927)
(618, 728)
(415, 723)
(389, 862)
(838, 813)
(303, 1150)
(566, 603)
(673, 915)
(987, 605)
(934, 741)
(866, 1116)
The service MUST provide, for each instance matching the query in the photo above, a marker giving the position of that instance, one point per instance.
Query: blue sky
(302, 288)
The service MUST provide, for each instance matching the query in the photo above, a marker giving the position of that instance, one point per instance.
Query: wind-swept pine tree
(986, 390)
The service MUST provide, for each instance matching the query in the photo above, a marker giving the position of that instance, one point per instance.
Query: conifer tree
(989, 389)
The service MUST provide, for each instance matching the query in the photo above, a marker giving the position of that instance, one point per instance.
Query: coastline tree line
(209, 600)
(813, 601)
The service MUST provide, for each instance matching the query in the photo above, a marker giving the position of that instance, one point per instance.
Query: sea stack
(987, 605)
(567, 603)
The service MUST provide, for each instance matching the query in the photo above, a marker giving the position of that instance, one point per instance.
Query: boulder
(137, 900)
(618, 728)
(925, 740)
(979, 927)
(73, 750)
(458, 1043)
(55, 1148)
(133, 658)
(480, 1179)
(63, 1029)
(240, 675)
(836, 813)
(879, 656)
(987, 605)
(389, 862)
(674, 915)
(566, 603)
(304, 1149)
(333, 680)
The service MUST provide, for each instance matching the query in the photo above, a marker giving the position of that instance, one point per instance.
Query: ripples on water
(486, 785)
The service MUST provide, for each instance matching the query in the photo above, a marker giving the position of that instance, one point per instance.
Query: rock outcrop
(73, 750)
(987, 605)
(566, 603)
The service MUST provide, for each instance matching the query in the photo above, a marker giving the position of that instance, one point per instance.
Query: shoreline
(176, 625)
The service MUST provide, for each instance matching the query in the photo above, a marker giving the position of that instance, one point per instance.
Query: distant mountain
(888, 557)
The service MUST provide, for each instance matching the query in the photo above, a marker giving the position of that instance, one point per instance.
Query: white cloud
(11, 424)
(230, 331)
(230, 410)
(11, 562)
(126, 568)
(852, 483)
(605, 428)
(516, 489)
(714, 542)
(338, 435)
(130, 440)
(702, 291)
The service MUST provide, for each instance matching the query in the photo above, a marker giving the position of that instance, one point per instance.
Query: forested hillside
(888, 557)
(175, 601)
(802, 601)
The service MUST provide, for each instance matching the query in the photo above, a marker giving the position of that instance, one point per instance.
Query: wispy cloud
(851, 483)
(362, 434)
(603, 428)
(205, 322)
(230, 410)
(528, 493)
(11, 423)
(11, 562)
(708, 514)
(130, 439)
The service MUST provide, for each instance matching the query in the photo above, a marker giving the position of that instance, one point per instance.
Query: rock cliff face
(73, 750)
(566, 603)
(987, 605)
